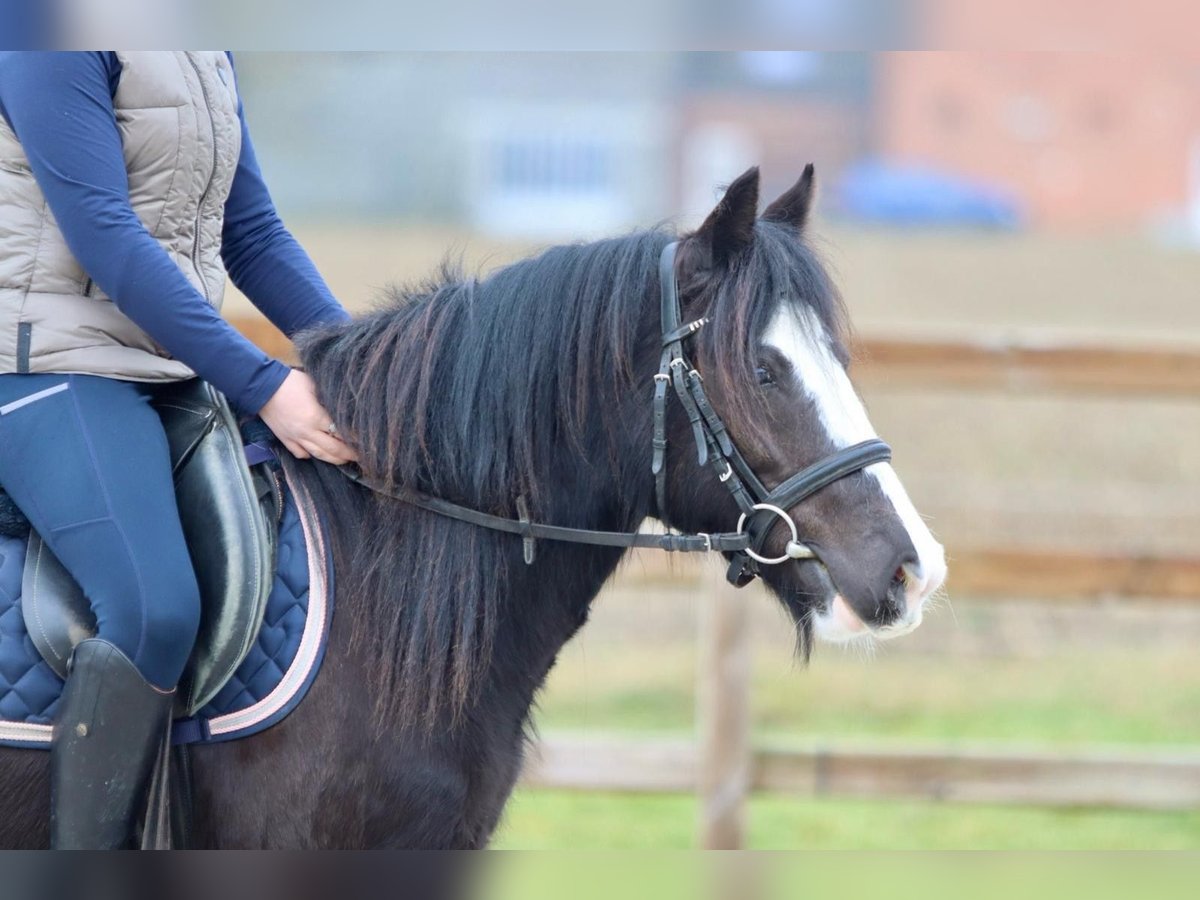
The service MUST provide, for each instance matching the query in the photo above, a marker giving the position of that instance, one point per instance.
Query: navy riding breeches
(86, 459)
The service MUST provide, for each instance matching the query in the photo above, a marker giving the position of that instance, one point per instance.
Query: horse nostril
(908, 571)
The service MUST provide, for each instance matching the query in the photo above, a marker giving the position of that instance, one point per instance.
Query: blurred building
(1081, 138)
(540, 144)
(546, 145)
(573, 145)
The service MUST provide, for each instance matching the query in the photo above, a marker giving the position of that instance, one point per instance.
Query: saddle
(230, 513)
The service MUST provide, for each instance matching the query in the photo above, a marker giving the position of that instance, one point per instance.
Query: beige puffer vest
(177, 113)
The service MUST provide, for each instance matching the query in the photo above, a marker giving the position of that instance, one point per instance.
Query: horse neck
(609, 488)
(599, 481)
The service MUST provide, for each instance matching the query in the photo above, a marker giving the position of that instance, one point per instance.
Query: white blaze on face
(800, 338)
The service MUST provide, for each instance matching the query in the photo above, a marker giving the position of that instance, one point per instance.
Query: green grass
(1105, 696)
(868, 875)
(561, 820)
(634, 670)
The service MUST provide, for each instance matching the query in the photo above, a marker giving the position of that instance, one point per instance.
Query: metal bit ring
(794, 550)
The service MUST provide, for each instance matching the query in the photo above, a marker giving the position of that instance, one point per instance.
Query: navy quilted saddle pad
(267, 686)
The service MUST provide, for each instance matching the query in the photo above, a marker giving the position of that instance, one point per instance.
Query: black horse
(536, 382)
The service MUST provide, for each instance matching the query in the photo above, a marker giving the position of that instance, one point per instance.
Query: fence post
(723, 716)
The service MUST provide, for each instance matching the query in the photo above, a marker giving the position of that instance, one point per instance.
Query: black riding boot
(109, 731)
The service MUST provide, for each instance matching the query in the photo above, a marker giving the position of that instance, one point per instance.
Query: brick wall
(1091, 139)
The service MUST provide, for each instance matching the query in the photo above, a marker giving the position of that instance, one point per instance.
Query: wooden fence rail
(1030, 364)
(1110, 778)
(1030, 573)
(1014, 362)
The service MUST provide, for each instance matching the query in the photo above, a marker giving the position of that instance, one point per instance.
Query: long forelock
(779, 268)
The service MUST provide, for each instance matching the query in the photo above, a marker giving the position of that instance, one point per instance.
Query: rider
(128, 187)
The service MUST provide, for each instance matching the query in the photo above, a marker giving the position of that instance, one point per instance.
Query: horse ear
(793, 205)
(729, 228)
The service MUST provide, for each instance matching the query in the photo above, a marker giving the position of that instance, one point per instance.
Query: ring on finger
(331, 429)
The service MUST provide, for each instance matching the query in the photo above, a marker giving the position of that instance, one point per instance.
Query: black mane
(533, 381)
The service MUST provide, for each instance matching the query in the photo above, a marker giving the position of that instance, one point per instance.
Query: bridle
(759, 506)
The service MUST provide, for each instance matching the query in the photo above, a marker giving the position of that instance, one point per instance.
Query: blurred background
(1017, 236)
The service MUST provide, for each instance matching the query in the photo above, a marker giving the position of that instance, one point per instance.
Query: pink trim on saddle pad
(25, 732)
(312, 641)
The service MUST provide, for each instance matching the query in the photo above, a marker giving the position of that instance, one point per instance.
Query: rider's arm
(266, 263)
(60, 106)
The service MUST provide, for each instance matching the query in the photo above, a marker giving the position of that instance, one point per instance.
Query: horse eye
(764, 376)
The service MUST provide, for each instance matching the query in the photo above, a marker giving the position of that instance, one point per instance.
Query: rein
(759, 506)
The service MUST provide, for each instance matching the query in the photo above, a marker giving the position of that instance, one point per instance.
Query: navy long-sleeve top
(60, 105)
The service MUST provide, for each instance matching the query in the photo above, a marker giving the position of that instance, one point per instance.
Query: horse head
(774, 357)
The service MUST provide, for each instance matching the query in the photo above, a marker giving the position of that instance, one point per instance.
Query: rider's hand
(297, 418)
